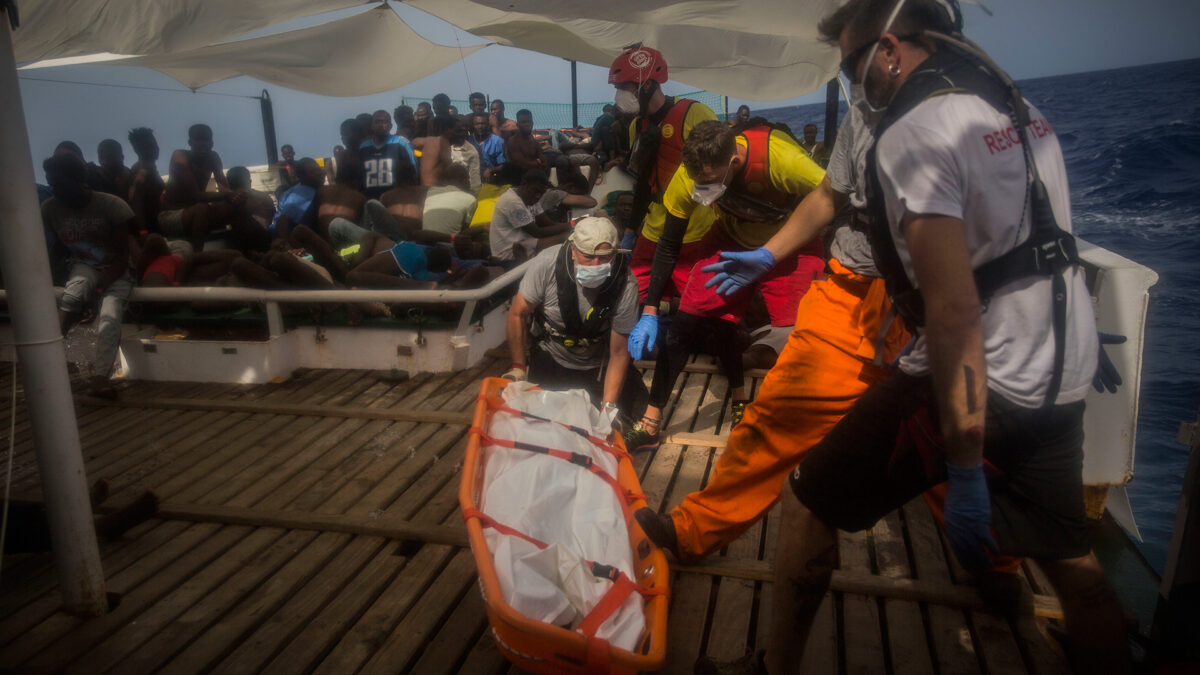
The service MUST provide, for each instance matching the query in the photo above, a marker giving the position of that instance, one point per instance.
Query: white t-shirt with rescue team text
(955, 155)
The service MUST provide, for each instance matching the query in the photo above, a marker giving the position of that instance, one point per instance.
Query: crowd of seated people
(394, 207)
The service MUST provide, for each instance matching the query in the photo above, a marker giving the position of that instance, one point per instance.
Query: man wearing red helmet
(656, 136)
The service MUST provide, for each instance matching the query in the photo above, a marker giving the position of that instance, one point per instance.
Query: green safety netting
(558, 115)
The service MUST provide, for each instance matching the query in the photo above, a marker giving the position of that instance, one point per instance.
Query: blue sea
(1131, 139)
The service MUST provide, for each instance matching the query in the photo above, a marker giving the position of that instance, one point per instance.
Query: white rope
(12, 442)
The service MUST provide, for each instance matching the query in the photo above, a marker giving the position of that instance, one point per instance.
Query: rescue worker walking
(988, 402)
(581, 300)
(752, 179)
(841, 345)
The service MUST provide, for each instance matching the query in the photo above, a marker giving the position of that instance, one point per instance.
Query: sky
(86, 104)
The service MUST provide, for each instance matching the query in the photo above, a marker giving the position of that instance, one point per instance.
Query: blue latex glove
(969, 516)
(628, 241)
(1106, 376)
(738, 269)
(643, 336)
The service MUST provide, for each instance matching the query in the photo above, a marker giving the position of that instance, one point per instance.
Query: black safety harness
(583, 331)
(1048, 251)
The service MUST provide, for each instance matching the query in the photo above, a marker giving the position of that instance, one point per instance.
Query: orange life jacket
(670, 147)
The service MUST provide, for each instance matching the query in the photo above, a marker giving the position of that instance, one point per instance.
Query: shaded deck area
(312, 526)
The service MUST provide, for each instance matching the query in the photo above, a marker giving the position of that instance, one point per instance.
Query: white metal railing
(272, 299)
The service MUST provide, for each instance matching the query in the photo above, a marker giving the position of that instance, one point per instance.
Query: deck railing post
(1176, 631)
(42, 356)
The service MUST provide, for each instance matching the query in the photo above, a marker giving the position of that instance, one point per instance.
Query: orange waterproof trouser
(825, 366)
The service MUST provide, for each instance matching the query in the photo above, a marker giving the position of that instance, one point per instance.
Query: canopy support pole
(268, 117)
(574, 97)
(831, 114)
(41, 356)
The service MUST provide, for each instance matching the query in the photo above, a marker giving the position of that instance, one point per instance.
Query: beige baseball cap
(591, 233)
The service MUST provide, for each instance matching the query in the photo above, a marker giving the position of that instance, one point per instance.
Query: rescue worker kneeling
(582, 301)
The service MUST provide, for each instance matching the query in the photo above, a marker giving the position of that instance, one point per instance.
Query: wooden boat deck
(313, 526)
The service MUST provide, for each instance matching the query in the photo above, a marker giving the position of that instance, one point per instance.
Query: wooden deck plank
(178, 617)
(953, 648)
(484, 658)
(352, 597)
(861, 630)
(237, 459)
(409, 637)
(210, 627)
(452, 643)
(690, 594)
(54, 654)
(36, 598)
(286, 621)
(389, 607)
(907, 642)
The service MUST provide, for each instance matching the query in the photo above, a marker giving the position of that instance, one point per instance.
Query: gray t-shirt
(847, 175)
(508, 217)
(89, 233)
(539, 289)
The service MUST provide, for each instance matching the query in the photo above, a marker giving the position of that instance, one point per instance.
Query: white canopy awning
(59, 28)
(367, 53)
(759, 50)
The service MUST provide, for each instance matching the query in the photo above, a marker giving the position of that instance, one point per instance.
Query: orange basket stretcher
(540, 647)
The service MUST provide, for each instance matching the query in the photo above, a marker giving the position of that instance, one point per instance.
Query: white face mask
(707, 193)
(868, 109)
(591, 276)
(858, 99)
(627, 102)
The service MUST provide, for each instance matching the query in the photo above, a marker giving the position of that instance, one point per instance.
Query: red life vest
(753, 197)
(755, 180)
(670, 147)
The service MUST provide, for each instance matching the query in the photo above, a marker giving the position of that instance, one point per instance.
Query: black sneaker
(736, 410)
(660, 529)
(640, 438)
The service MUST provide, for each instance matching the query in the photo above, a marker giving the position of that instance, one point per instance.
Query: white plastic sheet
(564, 505)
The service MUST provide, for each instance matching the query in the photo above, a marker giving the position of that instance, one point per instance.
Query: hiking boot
(736, 410)
(640, 438)
(750, 664)
(660, 529)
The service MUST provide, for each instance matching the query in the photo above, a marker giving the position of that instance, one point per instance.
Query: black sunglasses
(850, 63)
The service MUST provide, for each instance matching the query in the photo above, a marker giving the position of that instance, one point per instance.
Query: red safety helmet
(638, 65)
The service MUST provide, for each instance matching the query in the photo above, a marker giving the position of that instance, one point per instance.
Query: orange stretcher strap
(622, 586)
(625, 497)
(496, 404)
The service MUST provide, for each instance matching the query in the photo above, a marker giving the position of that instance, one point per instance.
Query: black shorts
(888, 449)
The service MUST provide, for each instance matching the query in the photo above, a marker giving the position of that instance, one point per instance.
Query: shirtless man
(254, 213)
(342, 199)
(523, 150)
(189, 210)
(435, 151)
(144, 186)
(501, 126)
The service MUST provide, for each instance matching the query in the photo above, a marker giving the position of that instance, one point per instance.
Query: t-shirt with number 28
(386, 166)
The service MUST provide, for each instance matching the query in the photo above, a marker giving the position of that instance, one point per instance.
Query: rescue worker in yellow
(752, 179)
(657, 135)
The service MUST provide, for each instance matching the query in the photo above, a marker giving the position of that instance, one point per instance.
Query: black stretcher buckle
(581, 460)
(605, 571)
